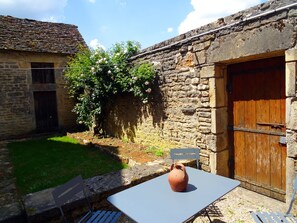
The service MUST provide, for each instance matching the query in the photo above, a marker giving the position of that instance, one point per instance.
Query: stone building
(33, 55)
(229, 88)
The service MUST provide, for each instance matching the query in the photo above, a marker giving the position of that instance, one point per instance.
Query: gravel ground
(235, 207)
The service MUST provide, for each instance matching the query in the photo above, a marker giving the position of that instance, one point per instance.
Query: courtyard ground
(137, 152)
(233, 207)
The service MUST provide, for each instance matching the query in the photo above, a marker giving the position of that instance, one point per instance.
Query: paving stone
(11, 209)
(13, 212)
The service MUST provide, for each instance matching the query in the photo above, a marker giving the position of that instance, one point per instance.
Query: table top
(154, 201)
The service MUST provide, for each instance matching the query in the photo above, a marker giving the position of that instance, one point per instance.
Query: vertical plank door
(45, 103)
(257, 124)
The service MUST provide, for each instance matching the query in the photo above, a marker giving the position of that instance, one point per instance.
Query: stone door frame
(219, 155)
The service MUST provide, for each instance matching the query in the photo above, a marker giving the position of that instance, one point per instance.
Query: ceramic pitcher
(178, 177)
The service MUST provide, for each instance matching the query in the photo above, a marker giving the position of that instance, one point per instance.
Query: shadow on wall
(126, 113)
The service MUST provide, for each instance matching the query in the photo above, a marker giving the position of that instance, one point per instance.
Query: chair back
(293, 196)
(184, 154)
(69, 191)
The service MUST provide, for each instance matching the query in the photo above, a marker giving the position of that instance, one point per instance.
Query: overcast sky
(105, 22)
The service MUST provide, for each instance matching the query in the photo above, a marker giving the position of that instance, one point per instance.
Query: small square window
(43, 73)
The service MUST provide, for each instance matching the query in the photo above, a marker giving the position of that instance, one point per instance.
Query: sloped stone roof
(36, 36)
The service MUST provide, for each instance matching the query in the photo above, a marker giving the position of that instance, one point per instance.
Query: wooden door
(257, 125)
(46, 111)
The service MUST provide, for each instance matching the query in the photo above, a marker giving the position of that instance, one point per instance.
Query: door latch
(273, 125)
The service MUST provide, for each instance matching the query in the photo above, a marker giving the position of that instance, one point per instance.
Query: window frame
(42, 73)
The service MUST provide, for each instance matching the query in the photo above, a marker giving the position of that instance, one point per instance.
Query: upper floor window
(43, 73)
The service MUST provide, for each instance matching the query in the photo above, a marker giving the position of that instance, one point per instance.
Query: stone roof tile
(36, 36)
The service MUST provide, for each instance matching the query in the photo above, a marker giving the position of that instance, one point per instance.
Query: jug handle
(178, 166)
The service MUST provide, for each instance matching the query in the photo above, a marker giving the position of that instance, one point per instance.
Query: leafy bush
(96, 75)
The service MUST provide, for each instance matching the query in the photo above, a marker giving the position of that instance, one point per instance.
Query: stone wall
(192, 98)
(15, 101)
(17, 115)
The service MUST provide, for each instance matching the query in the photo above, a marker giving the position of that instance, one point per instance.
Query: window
(43, 73)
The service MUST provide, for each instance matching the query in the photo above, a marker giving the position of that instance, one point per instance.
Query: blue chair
(188, 154)
(263, 217)
(185, 154)
(75, 188)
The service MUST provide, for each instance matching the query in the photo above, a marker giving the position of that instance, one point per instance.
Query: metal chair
(263, 217)
(185, 154)
(75, 188)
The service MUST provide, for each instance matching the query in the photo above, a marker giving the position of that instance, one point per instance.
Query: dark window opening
(43, 73)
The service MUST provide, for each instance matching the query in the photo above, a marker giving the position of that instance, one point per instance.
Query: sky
(106, 22)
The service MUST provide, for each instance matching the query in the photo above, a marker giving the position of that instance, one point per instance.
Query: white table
(154, 201)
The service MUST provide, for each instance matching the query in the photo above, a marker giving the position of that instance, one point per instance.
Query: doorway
(46, 117)
(256, 125)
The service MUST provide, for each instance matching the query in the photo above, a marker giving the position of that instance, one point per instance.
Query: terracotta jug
(178, 177)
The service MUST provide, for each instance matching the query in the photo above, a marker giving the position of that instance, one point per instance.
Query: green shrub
(94, 76)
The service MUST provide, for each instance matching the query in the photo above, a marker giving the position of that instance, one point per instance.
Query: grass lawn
(44, 163)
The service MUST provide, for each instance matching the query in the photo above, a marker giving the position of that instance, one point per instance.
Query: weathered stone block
(201, 46)
(184, 61)
(251, 42)
(217, 143)
(219, 120)
(291, 55)
(292, 13)
(291, 113)
(291, 70)
(207, 72)
(204, 129)
(205, 114)
(204, 81)
(290, 175)
(205, 104)
(188, 110)
(205, 99)
(199, 58)
(217, 92)
(291, 144)
(219, 163)
(200, 119)
(205, 94)
(195, 81)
